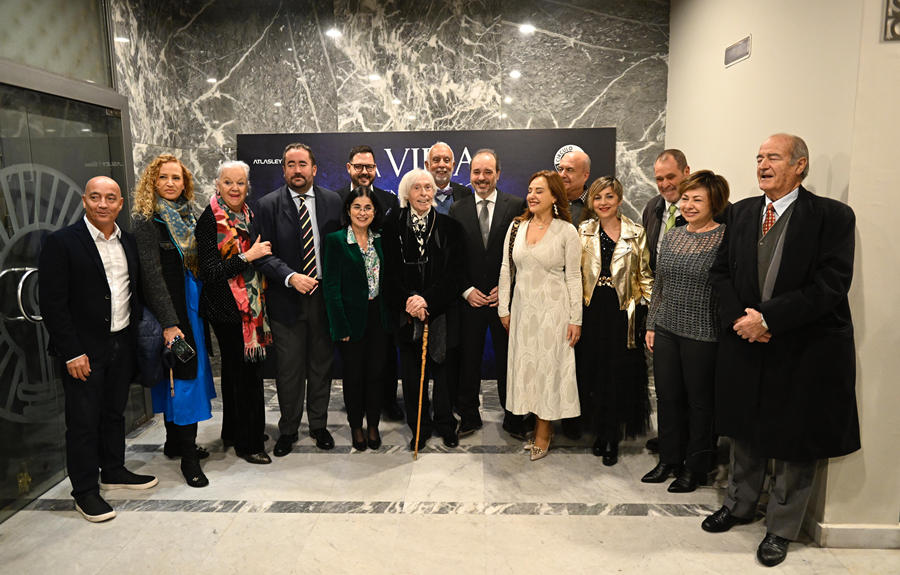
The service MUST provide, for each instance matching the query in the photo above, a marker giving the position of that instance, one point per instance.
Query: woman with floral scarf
(233, 301)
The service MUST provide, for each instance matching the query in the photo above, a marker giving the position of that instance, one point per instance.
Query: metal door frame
(34, 79)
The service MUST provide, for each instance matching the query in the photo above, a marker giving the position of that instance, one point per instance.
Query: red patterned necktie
(770, 218)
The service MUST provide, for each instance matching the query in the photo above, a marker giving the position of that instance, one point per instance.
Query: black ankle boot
(611, 454)
(687, 481)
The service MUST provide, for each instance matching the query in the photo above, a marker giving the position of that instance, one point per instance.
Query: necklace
(540, 225)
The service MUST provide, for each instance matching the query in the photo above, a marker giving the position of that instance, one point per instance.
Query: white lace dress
(546, 299)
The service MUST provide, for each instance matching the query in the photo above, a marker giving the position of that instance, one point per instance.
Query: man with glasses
(362, 169)
(440, 163)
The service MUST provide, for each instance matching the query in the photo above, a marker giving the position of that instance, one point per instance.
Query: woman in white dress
(544, 321)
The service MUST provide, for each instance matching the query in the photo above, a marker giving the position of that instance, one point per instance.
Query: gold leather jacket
(630, 267)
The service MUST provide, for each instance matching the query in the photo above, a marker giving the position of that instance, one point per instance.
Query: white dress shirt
(115, 265)
(491, 203)
(781, 204)
(310, 200)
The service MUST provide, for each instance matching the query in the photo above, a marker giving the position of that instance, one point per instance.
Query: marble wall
(199, 72)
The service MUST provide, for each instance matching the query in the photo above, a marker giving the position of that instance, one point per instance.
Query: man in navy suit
(294, 298)
(88, 282)
(440, 163)
(485, 217)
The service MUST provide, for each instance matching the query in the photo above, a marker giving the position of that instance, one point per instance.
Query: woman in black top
(233, 301)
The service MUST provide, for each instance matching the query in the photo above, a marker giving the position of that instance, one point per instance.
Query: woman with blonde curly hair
(167, 248)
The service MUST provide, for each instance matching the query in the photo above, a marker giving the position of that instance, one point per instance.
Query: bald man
(574, 169)
(441, 163)
(88, 278)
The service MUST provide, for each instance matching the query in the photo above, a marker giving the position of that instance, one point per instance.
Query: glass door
(49, 148)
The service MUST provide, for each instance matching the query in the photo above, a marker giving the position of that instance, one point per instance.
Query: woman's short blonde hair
(145, 193)
(600, 184)
(407, 183)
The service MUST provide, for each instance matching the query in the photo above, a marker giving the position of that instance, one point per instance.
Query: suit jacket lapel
(500, 208)
(799, 241)
(89, 244)
(751, 220)
(289, 207)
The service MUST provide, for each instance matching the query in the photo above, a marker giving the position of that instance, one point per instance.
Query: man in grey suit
(296, 218)
(440, 163)
(485, 217)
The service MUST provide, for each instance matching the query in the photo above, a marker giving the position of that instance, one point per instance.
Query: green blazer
(347, 287)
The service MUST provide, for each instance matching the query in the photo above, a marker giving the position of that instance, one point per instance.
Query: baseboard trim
(852, 535)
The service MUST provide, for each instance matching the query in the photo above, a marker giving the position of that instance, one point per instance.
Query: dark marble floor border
(439, 448)
(391, 507)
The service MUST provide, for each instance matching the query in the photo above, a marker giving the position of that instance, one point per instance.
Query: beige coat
(630, 266)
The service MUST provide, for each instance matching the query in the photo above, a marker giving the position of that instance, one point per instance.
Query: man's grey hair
(407, 182)
(799, 149)
(452, 157)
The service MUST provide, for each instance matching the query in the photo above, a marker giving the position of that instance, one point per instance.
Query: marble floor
(481, 508)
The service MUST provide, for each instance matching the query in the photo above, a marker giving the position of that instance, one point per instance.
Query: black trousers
(95, 416)
(685, 373)
(363, 363)
(411, 366)
(390, 375)
(473, 325)
(184, 437)
(243, 400)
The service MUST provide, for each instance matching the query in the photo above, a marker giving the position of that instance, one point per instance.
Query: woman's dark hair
(715, 185)
(361, 192)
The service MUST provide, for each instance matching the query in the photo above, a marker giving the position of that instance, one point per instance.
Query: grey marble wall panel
(418, 65)
(398, 65)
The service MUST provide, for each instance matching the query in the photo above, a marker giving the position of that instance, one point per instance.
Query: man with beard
(440, 163)
(295, 219)
(485, 218)
(362, 169)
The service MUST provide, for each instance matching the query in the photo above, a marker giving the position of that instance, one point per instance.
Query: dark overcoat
(794, 397)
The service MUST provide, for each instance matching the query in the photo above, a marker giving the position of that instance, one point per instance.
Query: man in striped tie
(296, 218)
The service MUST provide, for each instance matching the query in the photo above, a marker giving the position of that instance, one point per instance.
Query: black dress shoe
(422, 441)
(261, 458)
(284, 444)
(190, 469)
(722, 520)
(661, 472)
(322, 437)
(571, 428)
(611, 454)
(653, 445)
(687, 481)
(772, 550)
(516, 431)
(174, 452)
(393, 412)
(358, 444)
(94, 508)
(599, 447)
(467, 427)
(451, 440)
(376, 442)
(125, 479)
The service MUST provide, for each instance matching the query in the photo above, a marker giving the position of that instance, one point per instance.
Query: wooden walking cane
(421, 385)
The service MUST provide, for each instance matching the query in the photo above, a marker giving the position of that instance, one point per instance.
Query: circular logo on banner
(562, 152)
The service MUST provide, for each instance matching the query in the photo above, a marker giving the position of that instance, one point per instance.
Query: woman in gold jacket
(616, 279)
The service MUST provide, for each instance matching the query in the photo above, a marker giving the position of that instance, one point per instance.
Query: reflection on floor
(482, 508)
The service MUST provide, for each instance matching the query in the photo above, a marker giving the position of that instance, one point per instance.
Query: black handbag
(154, 359)
(512, 265)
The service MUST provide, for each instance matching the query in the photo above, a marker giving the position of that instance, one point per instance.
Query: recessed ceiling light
(396, 102)
(412, 116)
(508, 100)
(515, 74)
(85, 129)
(122, 40)
(526, 29)
(211, 80)
(374, 77)
(50, 130)
(503, 116)
(277, 104)
(290, 49)
(334, 33)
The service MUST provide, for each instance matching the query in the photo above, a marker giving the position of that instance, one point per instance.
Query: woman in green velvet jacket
(357, 315)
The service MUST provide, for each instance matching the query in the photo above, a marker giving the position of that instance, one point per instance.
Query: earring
(555, 210)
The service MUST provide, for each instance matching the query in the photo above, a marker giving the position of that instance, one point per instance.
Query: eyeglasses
(363, 209)
(363, 167)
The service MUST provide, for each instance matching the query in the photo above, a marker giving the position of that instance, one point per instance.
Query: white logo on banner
(562, 152)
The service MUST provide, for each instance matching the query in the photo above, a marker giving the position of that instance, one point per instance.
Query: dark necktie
(483, 221)
(307, 241)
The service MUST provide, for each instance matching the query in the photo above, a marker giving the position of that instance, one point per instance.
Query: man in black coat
(485, 218)
(89, 282)
(362, 169)
(786, 373)
(294, 298)
(440, 164)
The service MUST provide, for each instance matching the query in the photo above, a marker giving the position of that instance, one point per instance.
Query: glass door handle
(25, 315)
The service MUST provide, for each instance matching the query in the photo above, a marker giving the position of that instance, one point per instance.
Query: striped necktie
(307, 241)
(670, 223)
